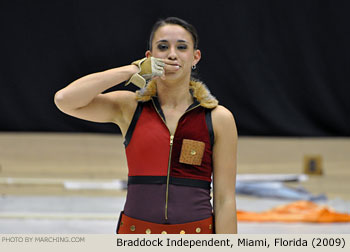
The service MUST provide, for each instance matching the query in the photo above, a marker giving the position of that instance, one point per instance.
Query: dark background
(281, 67)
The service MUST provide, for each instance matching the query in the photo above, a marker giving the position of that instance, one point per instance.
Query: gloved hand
(148, 68)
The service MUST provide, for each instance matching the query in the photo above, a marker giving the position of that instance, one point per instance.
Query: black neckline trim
(159, 108)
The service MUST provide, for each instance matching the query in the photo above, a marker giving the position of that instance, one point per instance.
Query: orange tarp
(299, 211)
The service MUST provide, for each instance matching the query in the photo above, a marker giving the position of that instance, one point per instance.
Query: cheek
(157, 53)
(188, 58)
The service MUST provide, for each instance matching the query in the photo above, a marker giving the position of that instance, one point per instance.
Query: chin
(172, 75)
(175, 80)
(175, 76)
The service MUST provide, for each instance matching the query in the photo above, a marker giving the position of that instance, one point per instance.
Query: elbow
(60, 101)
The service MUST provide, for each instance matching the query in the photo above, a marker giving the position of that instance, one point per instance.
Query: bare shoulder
(223, 121)
(222, 115)
(124, 106)
(124, 102)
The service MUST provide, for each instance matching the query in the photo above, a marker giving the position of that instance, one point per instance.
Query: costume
(169, 175)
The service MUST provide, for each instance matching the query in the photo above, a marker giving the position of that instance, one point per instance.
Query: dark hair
(176, 21)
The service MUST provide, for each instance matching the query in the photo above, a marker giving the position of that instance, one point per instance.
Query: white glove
(148, 68)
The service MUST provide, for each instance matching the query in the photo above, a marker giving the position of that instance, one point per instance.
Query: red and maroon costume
(169, 175)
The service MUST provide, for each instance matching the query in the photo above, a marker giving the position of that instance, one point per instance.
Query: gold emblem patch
(192, 152)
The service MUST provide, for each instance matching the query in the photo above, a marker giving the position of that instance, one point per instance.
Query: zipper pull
(171, 140)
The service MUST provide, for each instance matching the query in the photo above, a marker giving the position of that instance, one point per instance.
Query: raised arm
(224, 160)
(83, 98)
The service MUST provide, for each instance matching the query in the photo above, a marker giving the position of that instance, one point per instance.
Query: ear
(148, 53)
(197, 57)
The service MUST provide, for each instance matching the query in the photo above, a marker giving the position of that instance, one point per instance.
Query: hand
(148, 68)
(170, 66)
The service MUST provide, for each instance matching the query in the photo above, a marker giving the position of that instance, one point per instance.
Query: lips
(175, 64)
(174, 70)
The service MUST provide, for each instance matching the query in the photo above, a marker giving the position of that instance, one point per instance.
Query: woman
(176, 136)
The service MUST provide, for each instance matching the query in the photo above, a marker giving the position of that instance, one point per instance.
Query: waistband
(172, 180)
(128, 225)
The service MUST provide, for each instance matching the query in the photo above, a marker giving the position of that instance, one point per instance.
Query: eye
(162, 47)
(182, 47)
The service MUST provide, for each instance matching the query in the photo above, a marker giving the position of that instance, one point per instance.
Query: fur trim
(203, 95)
(199, 91)
(146, 93)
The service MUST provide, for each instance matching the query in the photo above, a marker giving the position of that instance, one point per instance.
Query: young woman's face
(174, 43)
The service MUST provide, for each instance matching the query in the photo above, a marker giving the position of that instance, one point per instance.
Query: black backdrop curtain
(281, 67)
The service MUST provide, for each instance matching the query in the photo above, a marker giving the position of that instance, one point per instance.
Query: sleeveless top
(169, 176)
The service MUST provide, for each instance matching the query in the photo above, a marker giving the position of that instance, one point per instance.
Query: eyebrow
(164, 40)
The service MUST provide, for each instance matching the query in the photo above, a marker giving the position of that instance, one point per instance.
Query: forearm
(82, 91)
(226, 218)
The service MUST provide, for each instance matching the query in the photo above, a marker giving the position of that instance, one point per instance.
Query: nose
(172, 53)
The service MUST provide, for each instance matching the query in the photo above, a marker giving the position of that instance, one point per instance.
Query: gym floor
(36, 170)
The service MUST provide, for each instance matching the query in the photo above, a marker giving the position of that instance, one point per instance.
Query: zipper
(168, 177)
(170, 151)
